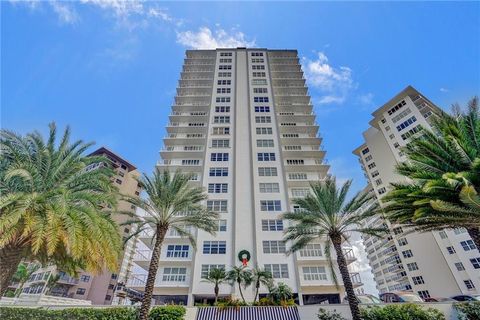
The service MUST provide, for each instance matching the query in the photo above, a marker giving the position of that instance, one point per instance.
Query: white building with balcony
(436, 264)
(242, 123)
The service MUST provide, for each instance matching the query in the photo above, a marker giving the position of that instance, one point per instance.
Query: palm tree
(259, 277)
(22, 274)
(241, 276)
(281, 293)
(443, 171)
(171, 203)
(325, 213)
(52, 207)
(216, 277)
(51, 282)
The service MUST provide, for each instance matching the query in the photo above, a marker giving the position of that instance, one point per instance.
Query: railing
(67, 279)
(137, 280)
(348, 253)
(142, 255)
(355, 277)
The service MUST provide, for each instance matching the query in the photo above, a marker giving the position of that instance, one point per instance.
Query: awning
(248, 313)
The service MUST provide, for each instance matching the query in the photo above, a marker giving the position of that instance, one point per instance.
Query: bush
(329, 315)
(468, 310)
(403, 311)
(236, 303)
(167, 313)
(116, 313)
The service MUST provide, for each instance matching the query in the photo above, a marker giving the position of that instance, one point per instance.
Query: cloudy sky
(109, 68)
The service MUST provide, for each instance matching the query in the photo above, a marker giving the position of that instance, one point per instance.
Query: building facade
(99, 289)
(242, 123)
(437, 264)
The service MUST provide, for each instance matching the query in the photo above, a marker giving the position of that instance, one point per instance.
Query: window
(224, 74)
(114, 276)
(288, 124)
(217, 188)
(269, 188)
(270, 205)
(378, 182)
(259, 74)
(190, 162)
(272, 225)
(424, 294)
(265, 143)
(311, 250)
(207, 267)
(262, 109)
(266, 156)
(264, 130)
(459, 266)
(273, 247)
(297, 192)
(222, 109)
(297, 176)
(108, 297)
(218, 172)
(84, 278)
(217, 205)
(402, 241)
(224, 90)
(418, 280)
(118, 181)
(372, 165)
(111, 286)
(224, 143)
(458, 231)
(412, 266)
(401, 115)
(80, 291)
(257, 60)
(221, 119)
(260, 90)
(225, 54)
(397, 230)
(368, 158)
(407, 253)
(221, 225)
(225, 67)
(468, 245)
(222, 99)
(177, 251)
(469, 284)
(257, 54)
(396, 107)
(475, 263)
(259, 81)
(174, 274)
(263, 119)
(451, 250)
(214, 247)
(382, 190)
(221, 130)
(290, 148)
(260, 99)
(278, 271)
(267, 172)
(225, 61)
(258, 67)
(365, 151)
(442, 234)
(290, 135)
(411, 132)
(406, 123)
(314, 273)
(219, 157)
(295, 161)
(224, 82)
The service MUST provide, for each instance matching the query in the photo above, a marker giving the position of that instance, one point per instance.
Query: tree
(171, 203)
(443, 176)
(216, 277)
(52, 208)
(22, 274)
(51, 283)
(259, 277)
(241, 276)
(281, 293)
(326, 214)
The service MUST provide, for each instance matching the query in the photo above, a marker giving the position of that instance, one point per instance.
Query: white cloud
(444, 90)
(333, 83)
(366, 99)
(204, 38)
(119, 8)
(65, 13)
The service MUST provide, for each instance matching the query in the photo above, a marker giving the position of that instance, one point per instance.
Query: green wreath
(244, 253)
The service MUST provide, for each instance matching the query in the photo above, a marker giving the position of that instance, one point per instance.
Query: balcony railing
(348, 253)
(355, 277)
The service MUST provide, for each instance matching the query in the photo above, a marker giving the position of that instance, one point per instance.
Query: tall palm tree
(443, 171)
(51, 207)
(325, 213)
(241, 276)
(259, 277)
(171, 203)
(217, 277)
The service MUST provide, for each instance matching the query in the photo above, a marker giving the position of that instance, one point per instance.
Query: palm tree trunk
(257, 287)
(10, 257)
(474, 233)
(216, 289)
(152, 273)
(347, 282)
(240, 289)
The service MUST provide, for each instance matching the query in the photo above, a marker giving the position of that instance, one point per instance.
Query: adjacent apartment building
(440, 264)
(99, 289)
(242, 123)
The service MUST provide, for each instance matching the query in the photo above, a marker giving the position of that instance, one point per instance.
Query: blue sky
(109, 69)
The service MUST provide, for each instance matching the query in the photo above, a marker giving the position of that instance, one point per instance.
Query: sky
(109, 69)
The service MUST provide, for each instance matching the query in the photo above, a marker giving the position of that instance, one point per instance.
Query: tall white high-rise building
(437, 264)
(242, 122)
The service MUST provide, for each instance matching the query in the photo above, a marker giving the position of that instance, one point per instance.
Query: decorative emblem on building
(244, 257)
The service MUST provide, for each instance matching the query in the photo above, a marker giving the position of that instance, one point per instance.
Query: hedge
(468, 310)
(114, 313)
(402, 311)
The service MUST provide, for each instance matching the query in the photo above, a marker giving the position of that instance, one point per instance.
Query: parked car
(364, 298)
(400, 296)
(466, 297)
(438, 299)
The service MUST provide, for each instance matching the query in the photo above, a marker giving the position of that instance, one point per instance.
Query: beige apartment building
(437, 264)
(99, 289)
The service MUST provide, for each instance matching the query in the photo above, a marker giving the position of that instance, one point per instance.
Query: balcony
(176, 127)
(356, 279)
(66, 279)
(349, 255)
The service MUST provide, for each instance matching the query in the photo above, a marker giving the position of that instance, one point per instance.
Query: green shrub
(329, 315)
(167, 313)
(402, 311)
(468, 310)
(116, 313)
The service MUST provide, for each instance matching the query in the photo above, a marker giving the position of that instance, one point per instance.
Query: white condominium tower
(437, 264)
(242, 123)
